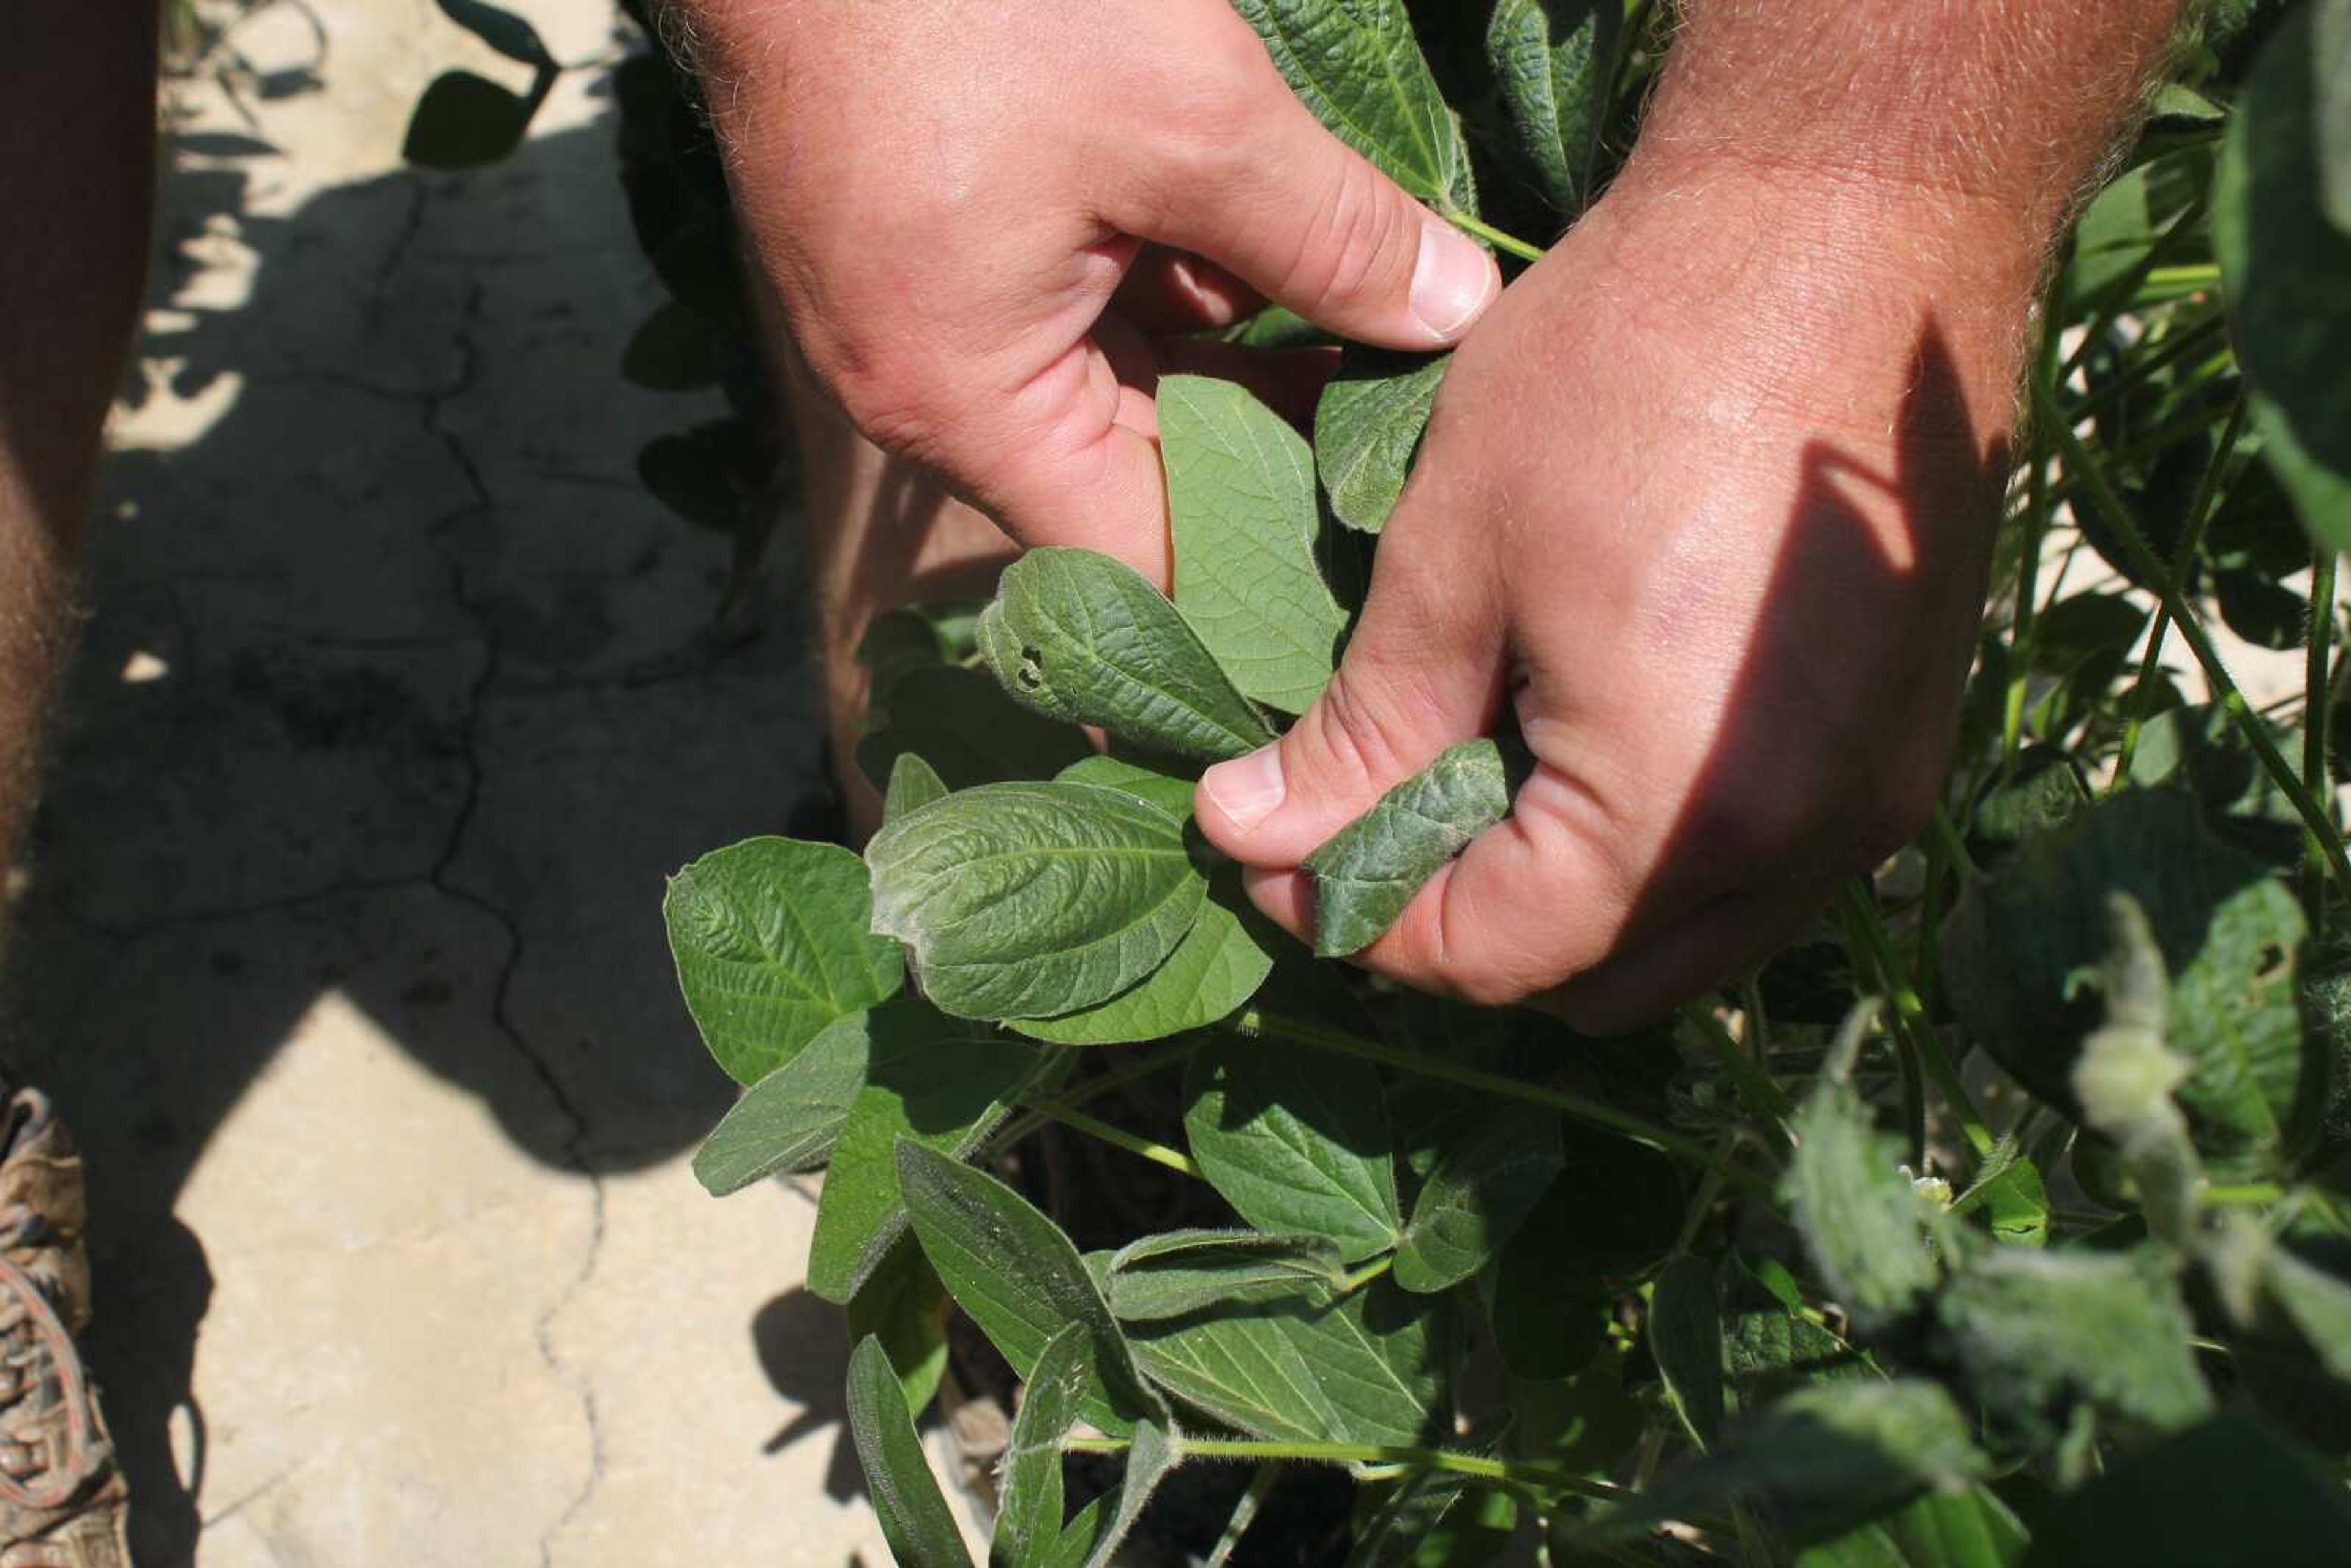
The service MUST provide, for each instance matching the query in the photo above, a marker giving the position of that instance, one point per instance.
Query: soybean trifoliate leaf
(903, 1304)
(1381, 1357)
(787, 1120)
(1016, 1275)
(1555, 61)
(2281, 265)
(2229, 932)
(1371, 868)
(1029, 1494)
(771, 945)
(1184, 1272)
(1684, 1333)
(2036, 1330)
(1357, 66)
(1835, 1452)
(1171, 792)
(1485, 1181)
(1295, 1140)
(914, 1514)
(939, 1079)
(914, 784)
(1242, 514)
(1366, 428)
(1079, 637)
(1034, 900)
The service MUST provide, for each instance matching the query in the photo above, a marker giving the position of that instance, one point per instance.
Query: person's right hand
(947, 197)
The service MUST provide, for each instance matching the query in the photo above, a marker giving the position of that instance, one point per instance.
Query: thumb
(1311, 224)
(1411, 686)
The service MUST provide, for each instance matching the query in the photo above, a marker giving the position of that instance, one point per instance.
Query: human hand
(1709, 497)
(953, 202)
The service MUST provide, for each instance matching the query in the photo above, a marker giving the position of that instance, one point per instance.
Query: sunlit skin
(1707, 494)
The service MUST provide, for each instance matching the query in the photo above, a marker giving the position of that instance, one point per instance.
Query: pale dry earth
(342, 949)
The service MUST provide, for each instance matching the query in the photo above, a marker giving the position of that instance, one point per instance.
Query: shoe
(63, 1501)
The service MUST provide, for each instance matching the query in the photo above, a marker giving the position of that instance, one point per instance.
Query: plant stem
(2242, 1193)
(1117, 1137)
(1910, 1013)
(1140, 1066)
(2021, 629)
(1763, 1096)
(2314, 774)
(1520, 1471)
(1244, 1513)
(2224, 687)
(2183, 561)
(1955, 845)
(1299, 1031)
(1350, 1283)
(1496, 237)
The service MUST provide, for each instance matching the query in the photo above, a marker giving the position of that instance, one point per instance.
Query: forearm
(76, 195)
(1994, 114)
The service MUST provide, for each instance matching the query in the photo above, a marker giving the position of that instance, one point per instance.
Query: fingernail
(1247, 789)
(1451, 280)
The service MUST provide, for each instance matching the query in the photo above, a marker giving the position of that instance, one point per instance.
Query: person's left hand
(1709, 497)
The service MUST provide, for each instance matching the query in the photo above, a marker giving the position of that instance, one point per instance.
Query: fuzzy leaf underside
(1034, 900)
(1861, 1221)
(914, 1514)
(1082, 638)
(1357, 65)
(1241, 503)
(770, 942)
(1371, 868)
(1367, 426)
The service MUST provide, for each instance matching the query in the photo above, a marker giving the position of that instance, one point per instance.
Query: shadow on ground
(396, 688)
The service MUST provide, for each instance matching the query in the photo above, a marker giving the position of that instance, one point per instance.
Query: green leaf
(1357, 66)
(914, 784)
(1371, 868)
(1240, 506)
(1216, 967)
(1034, 900)
(2016, 1203)
(1685, 1333)
(671, 351)
(1972, 1528)
(1832, 1453)
(464, 121)
(903, 1304)
(1366, 428)
(2036, 1329)
(705, 471)
(942, 1081)
(2230, 1493)
(1237, 1363)
(1030, 1499)
(1171, 792)
(2229, 932)
(1380, 1356)
(501, 29)
(770, 938)
(1016, 1275)
(1548, 1307)
(1480, 1191)
(1184, 1272)
(2282, 263)
(1555, 62)
(967, 729)
(1864, 1225)
(1082, 638)
(1295, 1140)
(2126, 1077)
(906, 1499)
(788, 1121)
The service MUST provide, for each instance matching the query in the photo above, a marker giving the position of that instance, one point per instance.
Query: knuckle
(1350, 734)
(1356, 243)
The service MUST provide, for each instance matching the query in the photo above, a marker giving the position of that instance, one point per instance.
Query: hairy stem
(1910, 1014)
(2315, 775)
(1518, 1471)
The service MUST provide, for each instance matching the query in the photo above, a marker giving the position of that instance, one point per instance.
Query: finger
(1424, 673)
(1167, 291)
(1695, 954)
(1309, 223)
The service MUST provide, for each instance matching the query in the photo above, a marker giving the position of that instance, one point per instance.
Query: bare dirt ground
(342, 950)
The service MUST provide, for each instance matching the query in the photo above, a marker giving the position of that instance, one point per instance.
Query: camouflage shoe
(63, 1503)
